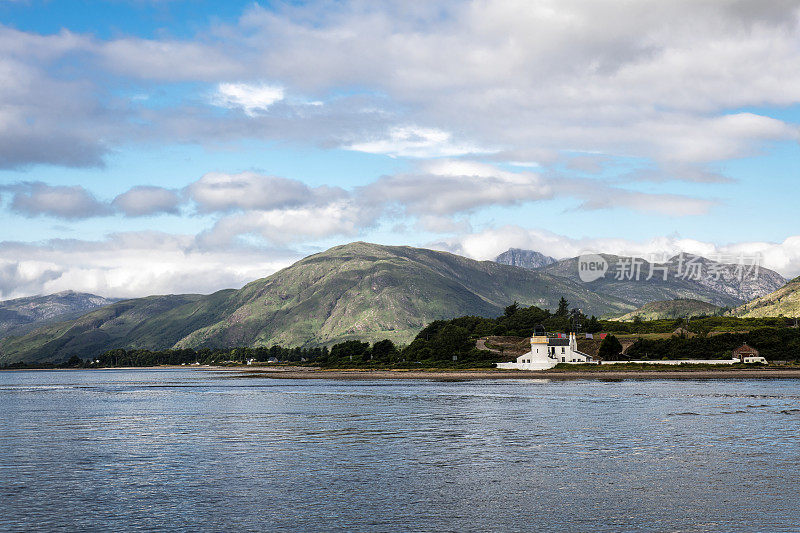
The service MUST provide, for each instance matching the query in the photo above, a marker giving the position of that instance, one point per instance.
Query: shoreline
(360, 374)
(471, 375)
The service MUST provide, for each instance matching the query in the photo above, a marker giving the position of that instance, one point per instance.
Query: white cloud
(250, 98)
(665, 204)
(628, 78)
(217, 191)
(445, 187)
(147, 200)
(413, 141)
(132, 265)
(25, 277)
(620, 78)
(292, 224)
(33, 199)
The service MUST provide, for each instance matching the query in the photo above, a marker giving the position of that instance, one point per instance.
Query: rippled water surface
(199, 450)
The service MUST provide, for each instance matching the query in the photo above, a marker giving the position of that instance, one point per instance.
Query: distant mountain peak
(529, 259)
(22, 314)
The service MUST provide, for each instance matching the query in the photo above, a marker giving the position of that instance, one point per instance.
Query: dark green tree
(610, 348)
(511, 309)
(563, 307)
(593, 325)
(355, 351)
(74, 362)
(383, 350)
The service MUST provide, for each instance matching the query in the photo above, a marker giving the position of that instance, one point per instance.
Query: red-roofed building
(747, 354)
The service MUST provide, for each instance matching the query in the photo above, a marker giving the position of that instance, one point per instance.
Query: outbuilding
(747, 354)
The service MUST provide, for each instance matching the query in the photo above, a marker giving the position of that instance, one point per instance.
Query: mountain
(671, 309)
(23, 314)
(784, 301)
(524, 259)
(356, 291)
(153, 322)
(717, 283)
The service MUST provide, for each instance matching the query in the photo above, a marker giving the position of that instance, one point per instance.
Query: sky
(169, 146)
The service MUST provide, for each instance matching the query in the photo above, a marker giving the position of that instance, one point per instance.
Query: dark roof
(557, 342)
(745, 348)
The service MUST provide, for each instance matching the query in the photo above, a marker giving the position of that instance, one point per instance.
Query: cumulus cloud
(250, 98)
(26, 277)
(69, 202)
(132, 265)
(451, 186)
(413, 141)
(621, 78)
(218, 191)
(48, 120)
(145, 200)
(600, 197)
(293, 224)
(447, 187)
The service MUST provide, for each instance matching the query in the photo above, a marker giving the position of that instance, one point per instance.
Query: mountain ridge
(20, 315)
(724, 291)
(356, 291)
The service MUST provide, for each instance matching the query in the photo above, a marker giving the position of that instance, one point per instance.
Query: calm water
(165, 450)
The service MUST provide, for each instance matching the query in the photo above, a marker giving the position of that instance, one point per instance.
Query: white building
(546, 352)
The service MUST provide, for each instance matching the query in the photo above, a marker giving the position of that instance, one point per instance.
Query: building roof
(745, 348)
(557, 342)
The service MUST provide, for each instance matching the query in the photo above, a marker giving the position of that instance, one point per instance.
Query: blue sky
(171, 146)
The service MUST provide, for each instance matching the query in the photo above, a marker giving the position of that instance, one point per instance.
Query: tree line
(773, 343)
(442, 343)
(451, 343)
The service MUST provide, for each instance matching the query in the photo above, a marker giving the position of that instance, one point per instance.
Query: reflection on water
(169, 449)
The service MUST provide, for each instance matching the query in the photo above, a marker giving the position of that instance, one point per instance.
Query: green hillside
(356, 291)
(370, 292)
(154, 322)
(668, 309)
(783, 302)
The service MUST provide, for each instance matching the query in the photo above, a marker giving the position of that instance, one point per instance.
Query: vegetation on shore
(772, 343)
(452, 343)
(440, 344)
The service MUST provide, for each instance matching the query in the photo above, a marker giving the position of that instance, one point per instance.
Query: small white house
(546, 352)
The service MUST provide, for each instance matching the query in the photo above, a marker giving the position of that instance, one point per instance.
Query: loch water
(166, 450)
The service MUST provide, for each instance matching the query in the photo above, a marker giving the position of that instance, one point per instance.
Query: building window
(563, 359)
